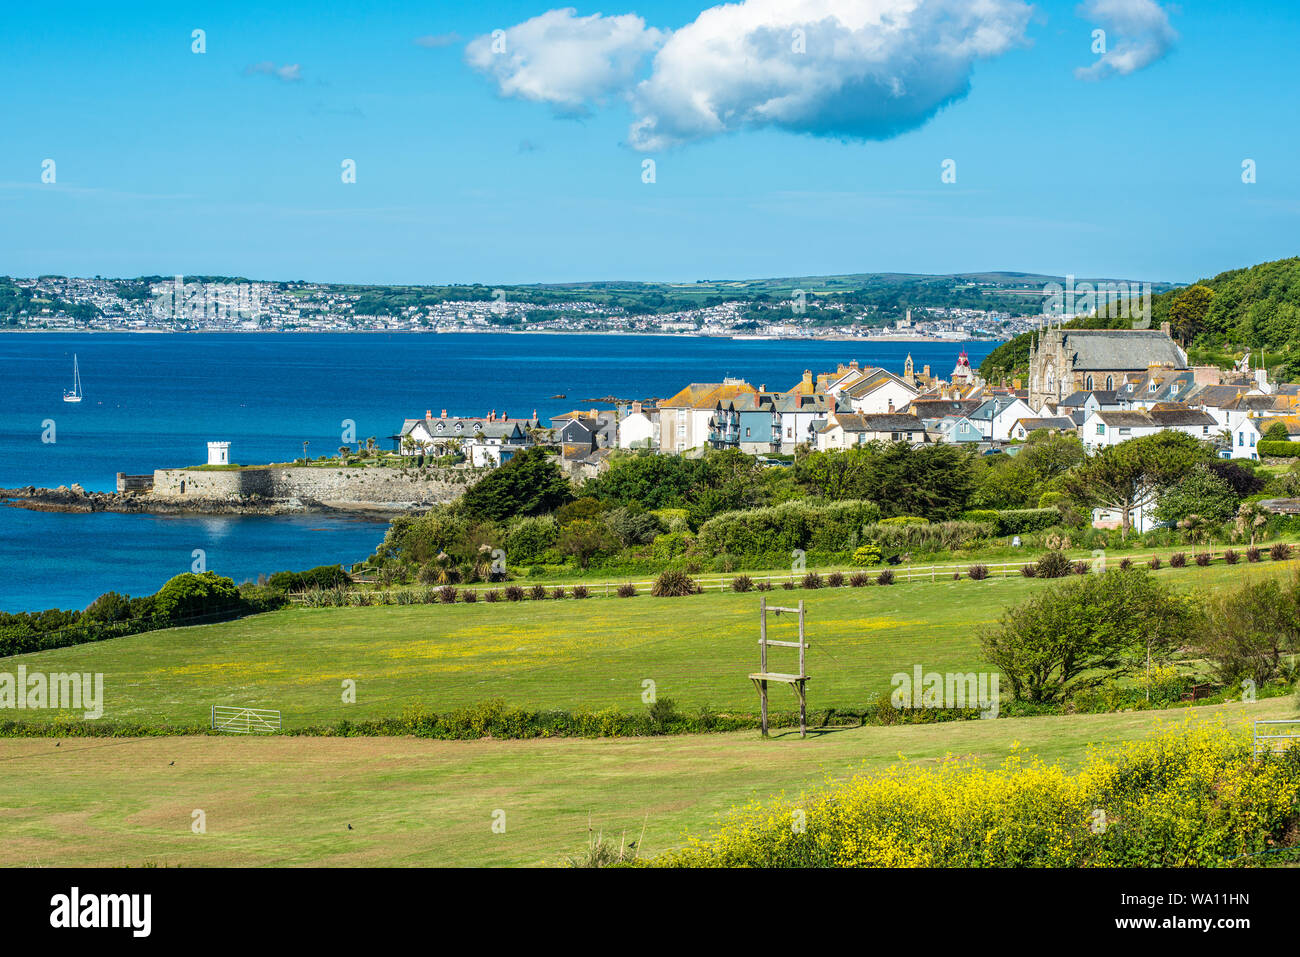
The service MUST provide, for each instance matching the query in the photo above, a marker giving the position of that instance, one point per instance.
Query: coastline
(76, 500)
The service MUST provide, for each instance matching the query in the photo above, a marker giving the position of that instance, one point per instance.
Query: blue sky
(228, 162)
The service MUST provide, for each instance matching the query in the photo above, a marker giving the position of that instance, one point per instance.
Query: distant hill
(1255, 309)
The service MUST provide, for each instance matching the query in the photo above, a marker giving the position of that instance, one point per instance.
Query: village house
(485, 441)
(684, 419)
(995, 417)
(952, 428)
(1105, 429)
(846, 429)
(1023, 428)
(639, 427)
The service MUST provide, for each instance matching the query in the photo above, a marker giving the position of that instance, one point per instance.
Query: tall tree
(1130, 476)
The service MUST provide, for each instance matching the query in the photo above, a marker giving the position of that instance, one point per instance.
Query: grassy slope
(563, 654)
(288, 801)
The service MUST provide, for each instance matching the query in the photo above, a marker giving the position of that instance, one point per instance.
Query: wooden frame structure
(797, 682)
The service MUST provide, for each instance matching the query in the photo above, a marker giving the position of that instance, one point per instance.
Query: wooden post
(762, 659)
(803, 697)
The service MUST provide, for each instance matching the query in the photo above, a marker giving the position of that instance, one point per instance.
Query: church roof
(1114, 350)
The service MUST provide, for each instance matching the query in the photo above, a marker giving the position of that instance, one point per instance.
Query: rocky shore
(75, 498)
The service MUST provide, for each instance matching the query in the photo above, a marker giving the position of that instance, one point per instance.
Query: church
(1063, 361)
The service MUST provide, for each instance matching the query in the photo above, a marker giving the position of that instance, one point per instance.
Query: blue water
(154, 401)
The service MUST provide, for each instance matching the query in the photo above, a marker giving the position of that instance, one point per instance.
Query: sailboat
(75, 394)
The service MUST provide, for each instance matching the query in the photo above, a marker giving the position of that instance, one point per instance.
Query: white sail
(75, 394)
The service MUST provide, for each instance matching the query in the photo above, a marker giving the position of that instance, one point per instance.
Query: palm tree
(343, 453)
(1251, 516)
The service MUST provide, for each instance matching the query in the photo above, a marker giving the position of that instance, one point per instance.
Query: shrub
(788, 586)
(558, 592)
(859, 579)
(1125, 564)
(1251, 631)
(978, 573)
(537, 593)
(812, 580)
(1202, 559)
(886, 577)
(785, 527)
(673, 583)
(1053, 564)
(866, 555)
(470, 596)
(188, 596)
(514, 593)
(1230, 557)
(447, 594)
(1279, 449)
(492, 595)
(742, 583)
(1252, 554)
(1187, 798)
(1155, 563)
(580, 591)
(1021, 521)
(626, 590)
(764, 586)
(1280, 552)
(1080, 568)
(1029, 571)
(1065, 637)
(1178, 560)
(835, 580)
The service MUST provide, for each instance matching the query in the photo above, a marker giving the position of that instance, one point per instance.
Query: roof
(877, 422)
(1103, 397)
(1119, 350)
(1062, 422)
(706, 395)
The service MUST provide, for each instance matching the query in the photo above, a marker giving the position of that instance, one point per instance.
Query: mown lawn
(567, 654)
(288, 801)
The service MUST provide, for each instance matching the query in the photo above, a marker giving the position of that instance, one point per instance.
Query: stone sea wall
(339, 486)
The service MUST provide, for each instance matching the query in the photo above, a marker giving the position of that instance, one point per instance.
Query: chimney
(891, 406)
(853, 363)
(428, 413)
(444, 413)
(534, 414)
(807, 378)
(1164, 327)
(593, 413)
(636, 408)
(925, 371)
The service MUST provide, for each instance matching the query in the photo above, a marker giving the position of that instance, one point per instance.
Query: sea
(154, 400)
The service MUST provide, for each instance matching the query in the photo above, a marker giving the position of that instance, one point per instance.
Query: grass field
(288, 801)
(564, 654)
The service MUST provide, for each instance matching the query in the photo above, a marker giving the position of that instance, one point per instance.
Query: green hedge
(1279, 449)
(1019, 521)
(833, 527)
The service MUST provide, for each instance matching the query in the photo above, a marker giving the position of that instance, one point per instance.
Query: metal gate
(1266, 741)
(244, 720)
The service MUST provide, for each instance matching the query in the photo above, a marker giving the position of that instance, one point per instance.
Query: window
(1241, 438)
(1110, 383)
(746, 433)
(1101, 429)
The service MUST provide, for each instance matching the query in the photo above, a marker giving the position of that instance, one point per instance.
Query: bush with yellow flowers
(1191, 797)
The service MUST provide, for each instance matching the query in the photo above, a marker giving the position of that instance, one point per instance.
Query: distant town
(951, 308)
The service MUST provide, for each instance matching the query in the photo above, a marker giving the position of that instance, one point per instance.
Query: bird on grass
(349, 827)
(172, 765)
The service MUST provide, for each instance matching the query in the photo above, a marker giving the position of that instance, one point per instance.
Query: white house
(996, 417)
(1104, 429)
(878, 392)
(639, 428)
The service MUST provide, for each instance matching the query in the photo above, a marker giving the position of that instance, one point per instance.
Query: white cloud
(1138, 33)
(864, 69)
(568, 61)
(870, 69)
(289, 73)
